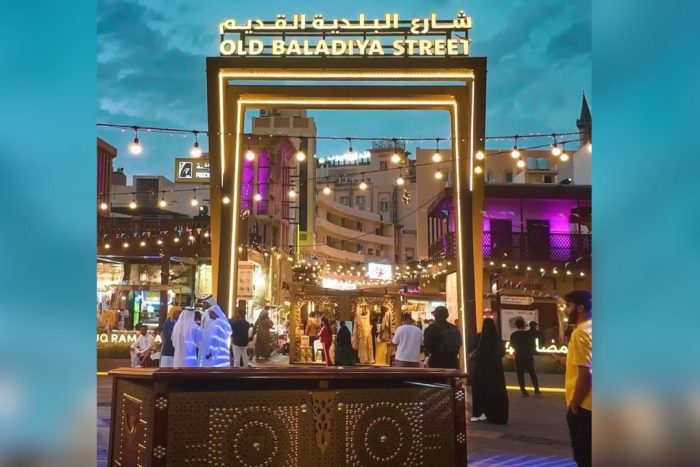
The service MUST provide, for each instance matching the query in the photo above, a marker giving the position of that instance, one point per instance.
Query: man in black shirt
(442, 341)
(240, 339)
(523, 342)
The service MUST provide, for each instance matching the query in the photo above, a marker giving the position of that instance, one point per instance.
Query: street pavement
(536, 433)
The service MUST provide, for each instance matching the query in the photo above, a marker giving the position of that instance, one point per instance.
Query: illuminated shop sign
(380, 271)
(191, 170)
(563, 350)
(121, 337)
(328, 283)
(419, 36)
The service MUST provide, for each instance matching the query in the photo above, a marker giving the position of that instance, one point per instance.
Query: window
(509, 176)
(370, 251)
(345, 200)
(383, 205)
(360, 200)
(410, 254)
(547, 179)
(537, 163)
(382, 165)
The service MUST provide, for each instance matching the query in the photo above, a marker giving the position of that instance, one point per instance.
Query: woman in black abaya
(489, 396)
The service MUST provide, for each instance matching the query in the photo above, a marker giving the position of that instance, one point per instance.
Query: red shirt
(325, 336)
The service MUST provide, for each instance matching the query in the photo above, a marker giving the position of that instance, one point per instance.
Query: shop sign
(552, 349)
(517, 300)
(328, 283)
(508, 318)
(379, 271)
(245, 280)
(121, 337)
(421, 36)
(191, 170)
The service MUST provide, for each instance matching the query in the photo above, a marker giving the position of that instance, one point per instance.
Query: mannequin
(362, 335)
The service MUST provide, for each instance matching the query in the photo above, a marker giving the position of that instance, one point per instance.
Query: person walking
(523, 342)
(167, 352)
(325, 335)
(489, 396)
(262, 337)
(344, 355)
(185, 339)
(408, 340)
(312, 331)
(578, 379)
(240, 339)
(214, 349)
(442, 341)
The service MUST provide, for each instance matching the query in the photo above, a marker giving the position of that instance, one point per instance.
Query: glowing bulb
(249, 155)
(107, 246)
(327, 190)
(135, 147)
(292, 194)
(556, 150)
(438, 175)
(142, 243)
(257, 197)
(478, 169)
(437, 157)
(582, 274)
(103, 206)
(159, 242)
(162, 203)
(479, 155)
(176, 239)
(191, 238)
(363, 185)
(515, 154)
(521, 163)
(395, 158)
(194, 202)
(125, 245)
(195, 151)
(206, 234)
(564, 157)
(301, 157)
(400, 181)
(132, 205)
(225, 200)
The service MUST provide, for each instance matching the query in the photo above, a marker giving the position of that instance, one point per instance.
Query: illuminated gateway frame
(230, 94)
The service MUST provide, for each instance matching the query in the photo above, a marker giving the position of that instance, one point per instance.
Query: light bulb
(257, 197)
(564, 157)
(206, 234)
(159, 242)
(103, 206)
(107, 246)
(176, 239)
(438, 175)
(292, 194)
(194, 202)
(478, 169)
(132, 205)
(437, 157)
(125, 245)
(142, 243)
(225, 200)
(195, 151)
(515, 154)
(395, 158)
(521, 163)
(250, 155)
(556, 150)
(301, 157)
(479, 155)
(327, 190)
(191, 238)
(363, 185)
(135, 147)
(400, 181)
(162, 203)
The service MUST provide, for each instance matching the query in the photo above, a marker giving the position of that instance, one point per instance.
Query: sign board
(379, 271)
(245, 279)
(191, 170)
(328, 283)
(517, 300)
(508, 318)
(390, 35)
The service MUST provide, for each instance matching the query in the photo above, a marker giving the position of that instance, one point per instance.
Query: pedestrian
(442, 341)
(141, 349)
(167, 351)
(185, 339)
(325, 335)
(311, 331)
(216, 336)
(344, 355)
(240, 339)
(261, 333)
(489, 396)
(579, 363)
(408, 339)
(523, 342)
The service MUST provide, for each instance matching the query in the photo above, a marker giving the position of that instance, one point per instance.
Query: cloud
(573, 41)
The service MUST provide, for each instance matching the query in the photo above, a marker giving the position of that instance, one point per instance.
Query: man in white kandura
(142, 348)
(185, 338)
(214, 350)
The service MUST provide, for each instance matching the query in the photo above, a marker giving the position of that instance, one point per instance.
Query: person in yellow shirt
(579, 361)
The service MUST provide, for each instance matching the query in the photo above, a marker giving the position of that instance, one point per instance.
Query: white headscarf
(185, 339)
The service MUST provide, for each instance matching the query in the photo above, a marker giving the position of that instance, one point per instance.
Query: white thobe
(142, 344)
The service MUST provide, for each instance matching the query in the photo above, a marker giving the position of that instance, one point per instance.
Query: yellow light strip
(234, 213)
(361, 102)
(347, 74)
(221, 127)
(460, 245)
(471, 141)
(530, 388)
(102, 373)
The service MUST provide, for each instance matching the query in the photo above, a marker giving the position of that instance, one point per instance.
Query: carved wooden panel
(131, 434)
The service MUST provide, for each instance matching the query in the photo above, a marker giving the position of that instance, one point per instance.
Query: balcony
(556, 247)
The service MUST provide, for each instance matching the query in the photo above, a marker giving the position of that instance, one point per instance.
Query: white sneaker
(482, 417)
(474, 419)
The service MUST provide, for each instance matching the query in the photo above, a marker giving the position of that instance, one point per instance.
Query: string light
(257, 197)
(556, 150)
(142, 243)
(225, 200)
(437, 157)
(301, 157)
(176, 240)
(104, 206)
(480, 155)
(327, 189)
(395, 158)
(194, 201)
(400, 181)
(162, 203)
(520, 163)
(363, 185)
(159, 241)
(133, 204)
(135, 147)
(195, 151)
(438, 174)
(564, 156)
(292, 194)
(515, 154)
(478, 169)
(350, 150)
(107, 246)
(250, 155)
(125, 245)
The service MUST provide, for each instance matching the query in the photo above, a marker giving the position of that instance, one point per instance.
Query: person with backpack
(442, 341)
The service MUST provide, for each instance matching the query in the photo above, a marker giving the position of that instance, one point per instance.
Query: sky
(151, 69)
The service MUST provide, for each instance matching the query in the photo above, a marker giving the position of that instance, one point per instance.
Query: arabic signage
(191, 170)
(563, 350)
(245, 279)
(517, 300)
(425, 36)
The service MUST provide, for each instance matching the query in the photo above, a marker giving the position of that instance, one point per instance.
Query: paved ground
(536, 433)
